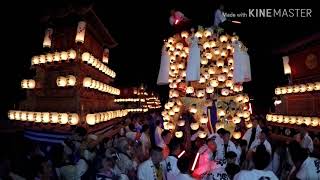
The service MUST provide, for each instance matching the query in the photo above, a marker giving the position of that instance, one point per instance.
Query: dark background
(140, 27)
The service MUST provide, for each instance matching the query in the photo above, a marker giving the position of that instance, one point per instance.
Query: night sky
(140, 28)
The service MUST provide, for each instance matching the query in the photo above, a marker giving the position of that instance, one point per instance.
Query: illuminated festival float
(73, 83)
(298, 102)
(205, 70)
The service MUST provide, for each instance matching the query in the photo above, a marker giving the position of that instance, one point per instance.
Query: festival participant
(183, 166)
(261, 159)
(305, 167)
(157, 134)
(304, 139)
(252, 133)
(217, 137)
(108, 170)
(151, 168)
(243, 149)
(262, 140)
(219, 16)
(229, 146)
(170, 163)
(145, 140)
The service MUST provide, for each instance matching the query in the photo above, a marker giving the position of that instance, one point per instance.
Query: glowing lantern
(35, 60)
(237, 88)
(181, 123)
(54, 117)
(299, 120)
(11, 115)
(206, 45)
(229, 83)
(186, 49)
(81, 30)
(207, 33)
(216, 51)
(179, 134)
(303, 88)
(170, 104)
(220, 63)
(214, 83)
(193, 109)
(63, 118)
(222, 77)
(189, 90)
(283, 90)
(249, 125)
(234, 38)
(286, 119)
(184, 34)
(198, 34)
(236, 135)
(307, 120)
(223, 38)
(224, 53)
(246, 114)
(280, 119)
(211, 70)
(230, 74)
(171, 112)
(181, 66)
(47, 38)
(225, 92)
(209, 89)
(219, 125)
(31, 116)
(315, 121)
(204, 119)
(310, 87)
(85, 57)
(236, 119)
(316, 86)
(202, 134)
(179, 46)
(91, 119)
(71, 80)
(37, 117)
(296, 88)
(239, 97)
(221, 112)
(225, 69)
(292, 119)
(171, 40)
(269, 117)
(72, 54)
(23, 116)
(61, 81)
(289, 89)
(42, 59)
(73, 119)
(170, 126)
(176, 109)
(49, 57)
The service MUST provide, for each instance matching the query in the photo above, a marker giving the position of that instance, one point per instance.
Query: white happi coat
(193, 66)
(170, 167)
(306, 142)
(248, 134)
(219, 141)
(255, 175)
(257, 142)
(147, 171)
(310, 169)
(231, 147)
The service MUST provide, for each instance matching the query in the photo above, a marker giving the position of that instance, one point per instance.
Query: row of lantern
(298, 120)
(44, 117)
(53, 57)
(96, 118)
(28, 84)
(154, 107)
(93, 84)
(129, 100)
(299, 88)
(138, 110)
(96, 63)
(69, 80)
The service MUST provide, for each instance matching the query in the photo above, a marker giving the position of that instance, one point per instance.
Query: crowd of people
(143, 150)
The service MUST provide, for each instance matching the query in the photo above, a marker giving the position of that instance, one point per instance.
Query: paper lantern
(181, 123)
(246, 99)
(229, 83)
(72, 54)
(224, 53)
(316, 86)
(198, 34)
(179, 46)
(49, 58)
(296, 88)
(292, 119)
(223, 38)
(204, 119)
(56, 57)
(211, 70)
(31, 116)
(207, 33)
(63, 118)
(202, 134)
(286, 119)
(225, 92)
(71, 80)
(280, 118)
(206, 45)
(35, 60)
(213, 44)
(17, 115)
(61, 81)
(220, 63)
(221, 112)
(179, 134)
(225, 70)
(234, 38)
(176, 109)
(11, 115)
(204, 61)
(90, 119)
(274, 118)
(249, 125)
(214, 83)
(299, 120)
(236, 119)
(236, 135)
(200, 93)
(193, 109)
(307, 120)
(181, 66)
(286, 66)
(269, 117)
(81, 30)
(209, 89)
(23, 116)
(42, 59)
(246, 114)
(230, 74)
(47, 38)
(315, 121)
(222, 77)
(219, 125)
(310, 86)
(237, 88)
(38, 117)
(239, 97)
(202, 79)
(189, 90)
(171, 112)
(303, 88)
(283, 90)
(184, 34)
(73, 119)
(170, 126)
(54, 117)
(289, 89)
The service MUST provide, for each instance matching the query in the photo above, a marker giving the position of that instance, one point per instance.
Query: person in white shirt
(305, 167)
(252, 134)
(230, 146)
(219, 17)
(183, 166)
(262, 140)
(217, 137)
(151, 169)
(170, 163)
(157, 134)
(304, 139)
(261, 159)
(145, 140)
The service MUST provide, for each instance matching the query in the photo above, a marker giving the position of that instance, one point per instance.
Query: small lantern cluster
(127, 100)
(28, 84)
(138, 110)
(96, 63)
(69, 80)
(96, 118)
(54, 57)
(93, 84)
(298, 88)
(297, 120)
(44, 117)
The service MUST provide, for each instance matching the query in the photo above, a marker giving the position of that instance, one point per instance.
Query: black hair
(261, 157)
(132, 127)
(243, 142)
(303, 125)
(183, 164)
(156, 149)
(232, 169)
(221, 131)
(81, 131)
(174, 145)
(226, 132)
(297, 152)
(231, 155)
(265, 131)
(145, 127)
(164, 133)
(158, 122)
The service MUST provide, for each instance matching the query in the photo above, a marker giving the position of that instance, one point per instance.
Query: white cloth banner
(193, 67)
(242, 69)
(163, 76)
